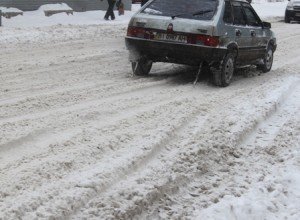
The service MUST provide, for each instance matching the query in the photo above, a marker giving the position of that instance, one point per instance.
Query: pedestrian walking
(143, 2)
(110, 10)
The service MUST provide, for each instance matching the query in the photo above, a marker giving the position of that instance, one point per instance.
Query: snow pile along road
(81, 138)
(34, 26)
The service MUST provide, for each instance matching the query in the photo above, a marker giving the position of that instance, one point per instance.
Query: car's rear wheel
(267, 60)
(224, 76)
(141, 67)
(287, 19)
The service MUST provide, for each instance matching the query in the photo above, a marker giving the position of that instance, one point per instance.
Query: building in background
(76, 5)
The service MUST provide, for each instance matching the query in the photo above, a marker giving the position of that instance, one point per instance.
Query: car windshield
(190, 9)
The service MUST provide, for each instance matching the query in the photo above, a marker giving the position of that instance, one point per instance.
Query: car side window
(238, 14)
(252, 18)
(227, 18)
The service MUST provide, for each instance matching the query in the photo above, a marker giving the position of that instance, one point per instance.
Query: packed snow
(80, 138)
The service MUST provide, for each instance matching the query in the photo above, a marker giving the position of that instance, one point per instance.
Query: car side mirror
(266, 25)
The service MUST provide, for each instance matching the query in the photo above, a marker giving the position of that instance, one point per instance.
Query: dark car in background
(219, 34)
(292, 12)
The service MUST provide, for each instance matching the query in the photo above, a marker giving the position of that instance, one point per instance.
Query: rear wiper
(194, 14)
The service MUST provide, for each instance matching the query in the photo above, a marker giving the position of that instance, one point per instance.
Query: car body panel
(172, 52)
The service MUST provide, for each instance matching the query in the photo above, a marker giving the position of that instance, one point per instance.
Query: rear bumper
(294, 15)
(162, 51)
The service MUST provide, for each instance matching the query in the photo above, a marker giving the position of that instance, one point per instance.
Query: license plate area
(171, 37)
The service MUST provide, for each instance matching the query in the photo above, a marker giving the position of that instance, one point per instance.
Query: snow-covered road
(82, 139)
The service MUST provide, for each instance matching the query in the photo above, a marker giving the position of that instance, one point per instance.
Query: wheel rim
(269, 59)
(228, 70)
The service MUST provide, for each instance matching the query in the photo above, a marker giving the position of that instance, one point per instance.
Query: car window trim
(231, 13)
(254, 12)
(243, 12)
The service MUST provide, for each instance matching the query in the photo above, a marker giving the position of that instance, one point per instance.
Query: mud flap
(198, 73)
(134, 71)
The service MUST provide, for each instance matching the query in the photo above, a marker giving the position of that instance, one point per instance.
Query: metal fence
(76, 5)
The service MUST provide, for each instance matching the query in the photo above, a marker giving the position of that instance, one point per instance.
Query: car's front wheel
(267, 60)
(141, 67)
(224, 76)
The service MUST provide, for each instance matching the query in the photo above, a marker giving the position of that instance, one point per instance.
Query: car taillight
(204, 40)
(135, 32)
(140, 33)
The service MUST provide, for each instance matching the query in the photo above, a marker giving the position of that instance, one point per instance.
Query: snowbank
(38, 19)
(60, 6)
(6, 10)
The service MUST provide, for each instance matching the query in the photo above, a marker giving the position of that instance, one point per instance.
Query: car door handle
(253, 33)
(238, 32)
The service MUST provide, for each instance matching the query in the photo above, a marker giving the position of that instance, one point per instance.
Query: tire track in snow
(126, 111)
(264, 152)
(92, 68)
(24, 108)
(43, 80)
(25, 122)
(40, 135)
(84, 105)
(104, 163)
(287, 101)
(238, 92)
(288, 104)
(191, 188)
(137, 164)
(159, 191)
(132, 210)
(256, 139)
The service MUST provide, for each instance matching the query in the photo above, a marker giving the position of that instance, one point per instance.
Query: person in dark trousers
(110, 10)
(143, 2)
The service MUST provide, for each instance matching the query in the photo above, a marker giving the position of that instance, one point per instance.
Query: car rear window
(190, 9)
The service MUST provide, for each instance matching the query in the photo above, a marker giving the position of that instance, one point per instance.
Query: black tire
(287, 19)
(141, 67)
(267, 60)
(224, 76)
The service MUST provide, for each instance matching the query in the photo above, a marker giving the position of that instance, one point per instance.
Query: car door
(242, 33)
(258, 37)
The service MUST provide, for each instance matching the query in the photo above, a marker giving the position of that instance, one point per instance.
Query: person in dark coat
(110, 10)
(143, 2)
